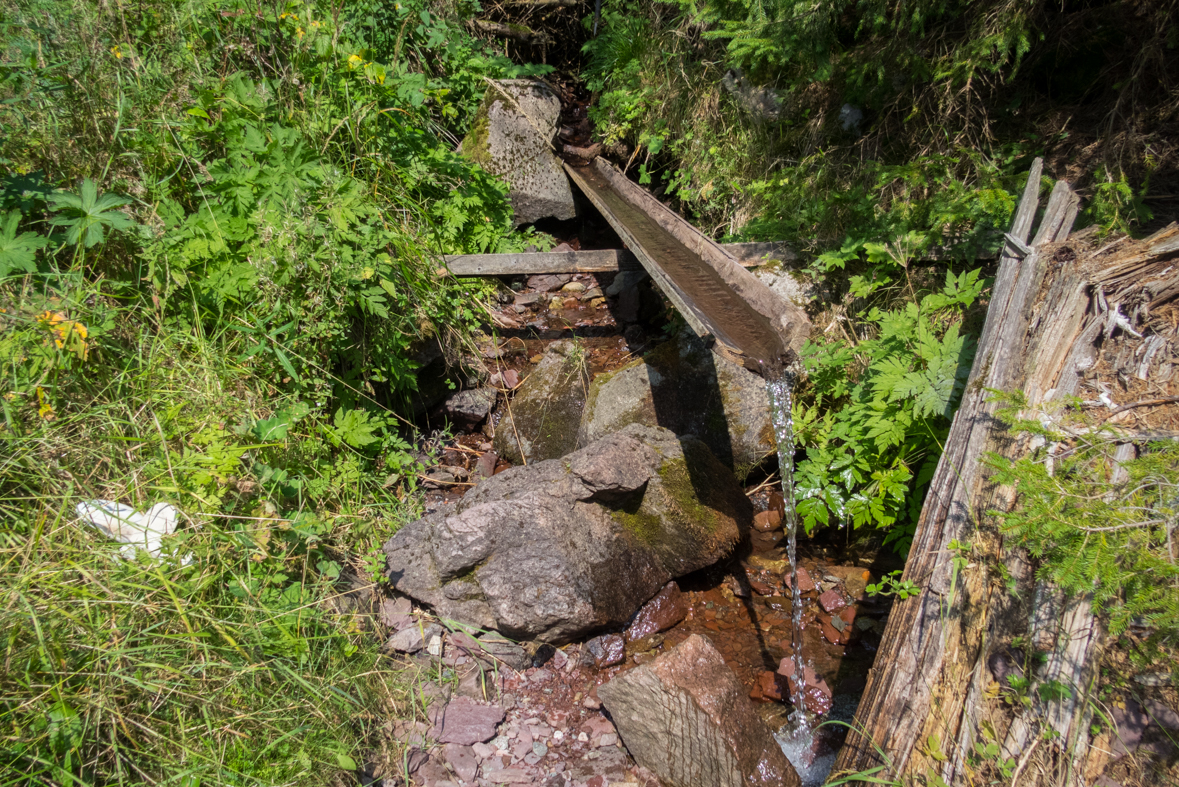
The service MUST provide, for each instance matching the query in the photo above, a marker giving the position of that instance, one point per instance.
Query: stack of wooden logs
(1068, 317)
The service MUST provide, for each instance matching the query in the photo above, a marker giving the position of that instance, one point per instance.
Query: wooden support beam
(749, 255)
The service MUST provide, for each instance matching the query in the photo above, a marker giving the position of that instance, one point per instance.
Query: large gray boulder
(511, 137)
(683, 386)
(686, 718)
(545, 414)
(559, 549)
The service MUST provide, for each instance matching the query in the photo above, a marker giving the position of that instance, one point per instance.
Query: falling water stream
(796, 741)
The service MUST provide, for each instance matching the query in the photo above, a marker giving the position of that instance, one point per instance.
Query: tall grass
(227, 670)
(238, 353)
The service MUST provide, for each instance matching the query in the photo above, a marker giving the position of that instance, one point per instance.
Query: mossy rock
(510, 138)
(682, 386)
(567, 547)
(545, 413)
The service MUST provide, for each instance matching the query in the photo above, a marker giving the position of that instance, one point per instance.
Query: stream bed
(743, 604)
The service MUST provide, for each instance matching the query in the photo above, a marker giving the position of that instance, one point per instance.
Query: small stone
(435, 646)
(462, 761)
(467, 409)
(863, 624)
(765, 521)
(394, 610)
(536, 358)
(484, 750)
(597, 303)
(412, 639)
(465, 722)
(593, 292)
(539, 748)
(556, 304)
(531, 759)
(668, 608)
(541, 676)
(510, 776)
(573, 286)
(582, 737)
(501, 742)
(830, 633)
(805, 584)
(548, 282)
(830, 600)
(606, 650)
(609, 739)
(591, 702)
(558, 735)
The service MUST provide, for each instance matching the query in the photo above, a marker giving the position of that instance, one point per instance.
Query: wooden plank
(542, 262)
(749, 255)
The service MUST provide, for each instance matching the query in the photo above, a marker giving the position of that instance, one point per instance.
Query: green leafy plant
(18, 251)
(893, 585)
(1091, 532)
(879, 406)
(86, 215)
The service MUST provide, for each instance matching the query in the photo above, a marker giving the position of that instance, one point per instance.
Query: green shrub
(1097, 526)
(879, 403)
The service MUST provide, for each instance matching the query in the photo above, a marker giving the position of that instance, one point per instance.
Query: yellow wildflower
(299, 32)
(355, 60)
(115, 51)
(44, 409)
(68, 335)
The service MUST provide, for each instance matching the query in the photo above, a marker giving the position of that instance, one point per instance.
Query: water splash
(780, 386)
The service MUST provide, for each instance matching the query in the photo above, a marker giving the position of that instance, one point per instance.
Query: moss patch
(645, 527)
(476, 144)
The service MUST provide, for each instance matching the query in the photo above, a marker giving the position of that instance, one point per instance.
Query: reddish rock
(607, 650)
(766, 521)
(395, 611)
(777, 502)
(773, 686)
(466, 722)
(659, 614)
(462, 761)
(685, 717)
(830, 600)
(760, 588)
(816, 692)
(805, 584)
(548, 282)
(832, 634)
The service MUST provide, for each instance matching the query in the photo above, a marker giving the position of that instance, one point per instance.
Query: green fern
(881, 409)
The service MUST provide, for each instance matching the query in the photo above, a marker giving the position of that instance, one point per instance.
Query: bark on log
(931, 694)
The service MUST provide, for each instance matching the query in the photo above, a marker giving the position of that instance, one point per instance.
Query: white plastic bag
(124, 524)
